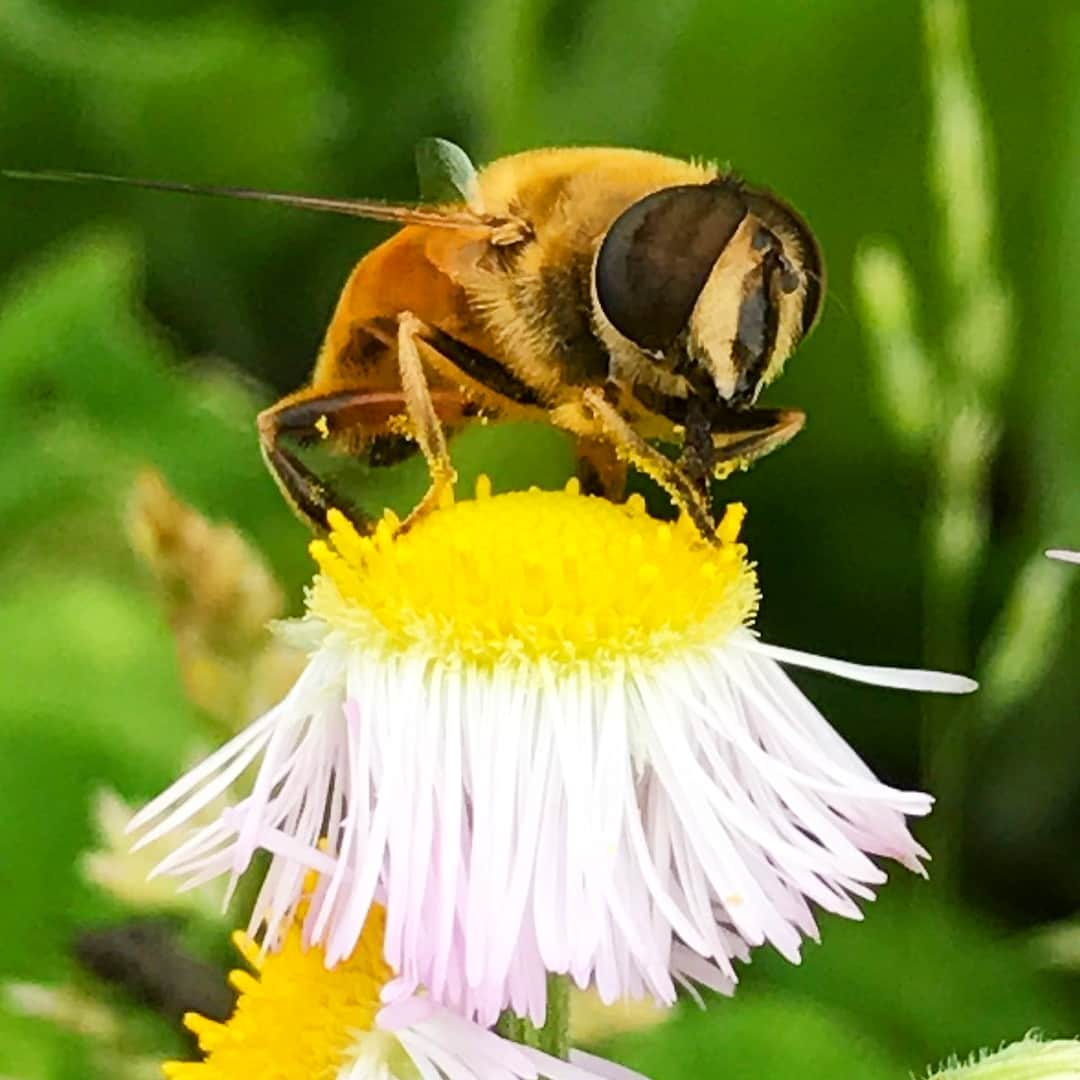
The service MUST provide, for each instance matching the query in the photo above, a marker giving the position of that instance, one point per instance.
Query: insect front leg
(740, 437)
(630, 445)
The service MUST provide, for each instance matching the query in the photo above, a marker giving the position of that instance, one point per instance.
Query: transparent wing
(446, 174)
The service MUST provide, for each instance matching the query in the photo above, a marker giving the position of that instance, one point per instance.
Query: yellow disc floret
(534, 576)
(294, 1019)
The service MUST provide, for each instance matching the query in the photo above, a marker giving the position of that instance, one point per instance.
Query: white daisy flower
(539, 729)
(295, 1019)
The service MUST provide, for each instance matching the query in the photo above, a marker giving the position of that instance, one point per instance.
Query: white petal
(404, 1013)
(258, 734)
(414, 1048)
(599, 1066)
(1064, 556)
(279, 842)
(936, 682)
(447, 1044)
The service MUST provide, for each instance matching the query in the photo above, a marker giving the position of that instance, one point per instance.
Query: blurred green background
(139, 328)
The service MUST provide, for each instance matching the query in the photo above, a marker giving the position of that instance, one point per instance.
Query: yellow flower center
(534, 576)
(294, 1019)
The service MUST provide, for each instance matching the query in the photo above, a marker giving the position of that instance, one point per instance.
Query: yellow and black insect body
(623, 296)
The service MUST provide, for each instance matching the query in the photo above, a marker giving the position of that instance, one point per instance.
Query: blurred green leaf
(92, 393)
(92, 699)
(917, 981)
(1055, 415)
(35, 1050)
(914, 983)
(763, 1037)
(216, 76)
(923, 975)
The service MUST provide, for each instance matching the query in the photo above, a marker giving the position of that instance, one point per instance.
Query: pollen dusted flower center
(537, 576)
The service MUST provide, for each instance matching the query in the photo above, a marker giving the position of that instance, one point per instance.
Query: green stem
(555, 1034)
(554, 1037)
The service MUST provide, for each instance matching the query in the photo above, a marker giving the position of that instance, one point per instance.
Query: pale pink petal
(598, 1066)
(1064, 556)
(441, 1043)
(934, 682)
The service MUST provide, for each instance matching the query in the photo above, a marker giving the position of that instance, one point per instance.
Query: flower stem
(517, 1029)
(555, 1034)
(554, 1037)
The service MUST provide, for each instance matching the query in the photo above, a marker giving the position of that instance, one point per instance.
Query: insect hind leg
(361, 422)
(309, 496)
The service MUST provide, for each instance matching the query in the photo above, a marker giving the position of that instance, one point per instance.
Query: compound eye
(657, 256)
(779, 216)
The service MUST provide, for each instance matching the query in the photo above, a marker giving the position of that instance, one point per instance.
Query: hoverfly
(625, 297)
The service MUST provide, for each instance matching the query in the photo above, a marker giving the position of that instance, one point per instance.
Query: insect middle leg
(600, 470)
(426, 426)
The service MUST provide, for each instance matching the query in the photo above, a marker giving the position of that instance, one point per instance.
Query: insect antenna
(361, 208)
